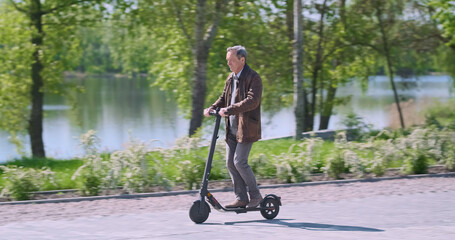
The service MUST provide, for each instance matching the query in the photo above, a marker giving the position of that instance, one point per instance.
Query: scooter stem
(208, 166)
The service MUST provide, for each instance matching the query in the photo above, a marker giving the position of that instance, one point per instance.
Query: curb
(175, 193)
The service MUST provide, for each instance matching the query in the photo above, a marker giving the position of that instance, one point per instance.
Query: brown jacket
(247, 105)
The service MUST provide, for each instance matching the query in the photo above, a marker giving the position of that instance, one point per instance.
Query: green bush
(449, 161)
(263, 166)
(189, 158)
(20, 181)
(417, 149)
(137, 169)
(299, 161)
(377, 167)
(416, 165)
(441, 114)
(335, 165)
(291, 167)
(131, 168)
(95, 167)
(90, 175)
(134, 169)
(420, 165)
(383, 153)
(357, 126)
(90, 184)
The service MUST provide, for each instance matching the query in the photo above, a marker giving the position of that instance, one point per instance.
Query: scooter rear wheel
(270, 208)
(198, 213)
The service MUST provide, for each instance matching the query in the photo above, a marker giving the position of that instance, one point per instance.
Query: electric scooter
(200, 210)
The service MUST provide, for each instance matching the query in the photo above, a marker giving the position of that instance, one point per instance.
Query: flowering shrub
(445, 151)
(383, 152)
(94, 169)
(137, 168)
(291, 167)
(335, 162)
(20, 182)
(189, 159)
(417, 148)
(261, 166)
(129, 168)
(300, 160)
(414, 151)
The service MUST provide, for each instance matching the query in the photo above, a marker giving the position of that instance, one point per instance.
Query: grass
(63, 169)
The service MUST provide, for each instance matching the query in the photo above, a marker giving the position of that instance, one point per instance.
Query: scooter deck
(242, 209)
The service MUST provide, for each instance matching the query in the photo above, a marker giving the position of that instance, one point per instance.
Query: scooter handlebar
(214, 112)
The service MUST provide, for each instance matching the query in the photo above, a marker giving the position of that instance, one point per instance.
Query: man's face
(233, 62)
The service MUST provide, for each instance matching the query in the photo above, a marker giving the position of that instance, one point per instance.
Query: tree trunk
(200, 68)
(297, 62)
(35, 128)
(314, 90)
(317, 65)
(202, 47)
(290, 19)
(326, 112)
(385, 45)
(395, 93)
(199, 90)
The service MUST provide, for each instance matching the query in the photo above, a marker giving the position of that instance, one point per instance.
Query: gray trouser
(241, 173)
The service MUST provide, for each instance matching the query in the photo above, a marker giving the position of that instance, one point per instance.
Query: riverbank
(79, 75)
(136, 169)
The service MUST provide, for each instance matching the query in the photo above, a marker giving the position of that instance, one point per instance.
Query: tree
(380, 31)
(252, 24)
(297, 62)
(185, 33)
(442, 13)
(15, 52)
(318, 61)
(386, 48)
(203, 39)
(50, 26)
(342, 60)
(96, 54)
(330, 59)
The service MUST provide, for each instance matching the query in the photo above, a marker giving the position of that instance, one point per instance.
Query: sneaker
(254, 202)
(237, 204)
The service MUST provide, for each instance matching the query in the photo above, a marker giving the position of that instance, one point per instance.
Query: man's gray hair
(240, 51)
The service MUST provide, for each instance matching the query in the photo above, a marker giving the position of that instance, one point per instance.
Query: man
(240, 103)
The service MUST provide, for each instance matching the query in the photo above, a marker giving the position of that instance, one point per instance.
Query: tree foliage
(40, 43)
(15, 59)
(176, 45)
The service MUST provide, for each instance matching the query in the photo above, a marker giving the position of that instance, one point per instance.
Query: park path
(407, 208)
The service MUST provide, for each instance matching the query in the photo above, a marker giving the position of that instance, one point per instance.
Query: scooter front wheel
(199, 211)
(270, 208)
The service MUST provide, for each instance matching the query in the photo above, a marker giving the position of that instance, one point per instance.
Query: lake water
(120, 108)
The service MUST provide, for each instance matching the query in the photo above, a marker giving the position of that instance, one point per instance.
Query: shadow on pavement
(309, 226)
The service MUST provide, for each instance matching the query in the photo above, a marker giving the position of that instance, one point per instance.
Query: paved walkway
(420, 208)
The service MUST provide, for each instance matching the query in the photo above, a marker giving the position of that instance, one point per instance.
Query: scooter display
(200, 210)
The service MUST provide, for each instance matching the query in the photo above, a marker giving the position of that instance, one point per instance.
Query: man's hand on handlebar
(222, 112)
(207, 111)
